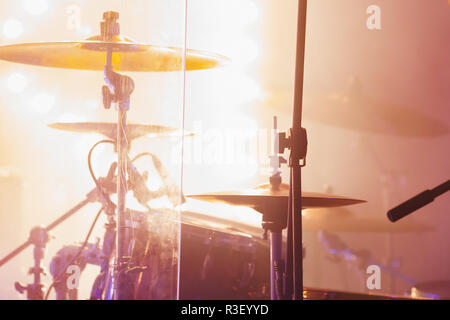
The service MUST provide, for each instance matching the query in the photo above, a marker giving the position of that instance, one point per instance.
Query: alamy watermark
(373, 282)
(374, 20)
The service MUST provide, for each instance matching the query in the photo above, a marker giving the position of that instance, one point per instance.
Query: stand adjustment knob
(107, 97)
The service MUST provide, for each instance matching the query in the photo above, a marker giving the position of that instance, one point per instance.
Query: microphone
(139, 186)
(417, 202)
(171, 188)
(138, 183)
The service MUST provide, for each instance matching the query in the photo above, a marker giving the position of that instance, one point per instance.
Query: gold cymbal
(264, 196)
(90, 54)
(110, 129)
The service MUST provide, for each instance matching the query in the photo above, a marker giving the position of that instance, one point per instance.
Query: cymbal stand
(274, 223)
(118, 90)
(39, 238)
(297, 144)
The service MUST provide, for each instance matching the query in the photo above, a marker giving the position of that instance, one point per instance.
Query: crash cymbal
(110, 129)
(264, 196)
(90, 54)
(343, 220)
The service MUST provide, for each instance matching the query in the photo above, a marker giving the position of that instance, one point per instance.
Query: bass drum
(221, 257)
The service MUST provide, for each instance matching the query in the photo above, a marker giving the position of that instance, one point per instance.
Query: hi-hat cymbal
(90, 54)
(264, 196)
(110, 129)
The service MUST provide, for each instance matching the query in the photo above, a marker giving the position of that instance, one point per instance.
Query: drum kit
(221, 256)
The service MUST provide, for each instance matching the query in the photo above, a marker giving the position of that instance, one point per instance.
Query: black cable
(91, 171)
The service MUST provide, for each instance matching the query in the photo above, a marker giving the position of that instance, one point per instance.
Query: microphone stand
(297, 144)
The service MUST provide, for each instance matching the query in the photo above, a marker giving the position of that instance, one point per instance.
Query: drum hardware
(272, 202)
(274, 224)
(90, 254)
(39, 238)
(361, 258)
(39, 235)
(108, 52)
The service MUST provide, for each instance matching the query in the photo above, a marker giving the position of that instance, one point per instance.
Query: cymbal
(223, 217)
(361, 113)
(343, 220)
(109, 129)
(90, 54)
(355, 110)
(264, 196)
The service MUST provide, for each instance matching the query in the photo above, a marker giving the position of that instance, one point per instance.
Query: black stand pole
(297, 144)
(417, 202)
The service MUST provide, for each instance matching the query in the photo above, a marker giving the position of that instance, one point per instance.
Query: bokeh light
(42, 103)
(12, 28)
(17, 82)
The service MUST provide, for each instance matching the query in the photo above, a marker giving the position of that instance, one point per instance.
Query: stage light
(12, 28)
(35, 7)
(17, 82)
(43, 103)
